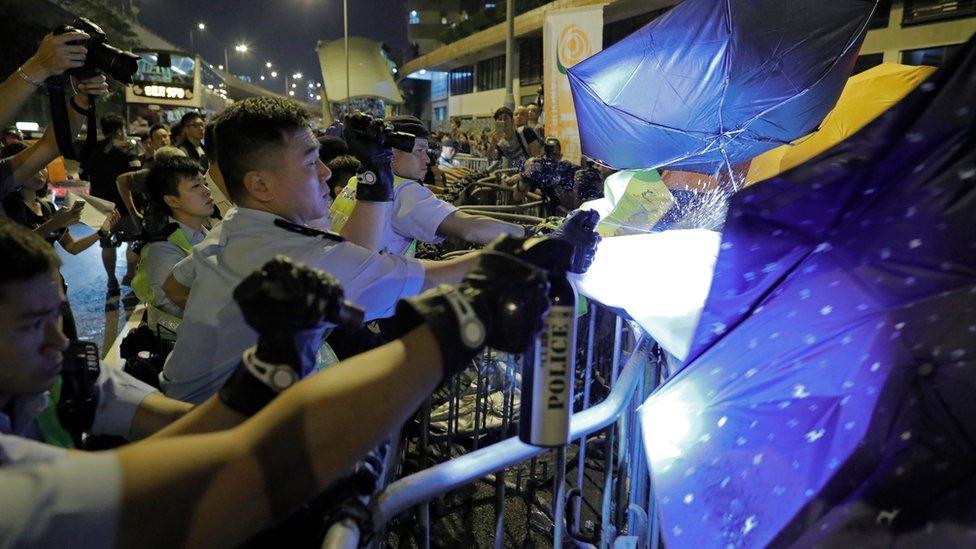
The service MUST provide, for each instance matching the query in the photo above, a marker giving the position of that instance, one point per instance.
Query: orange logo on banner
(574, 46)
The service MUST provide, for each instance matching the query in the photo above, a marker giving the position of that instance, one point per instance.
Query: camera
(79, 393)
(102, 56)
(551, 147)
(374, 129)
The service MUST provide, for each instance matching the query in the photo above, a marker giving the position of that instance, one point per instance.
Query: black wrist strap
(454, 331)
(244, 393)
(371, 186)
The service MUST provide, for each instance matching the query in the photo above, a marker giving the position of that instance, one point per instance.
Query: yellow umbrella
(865, 97)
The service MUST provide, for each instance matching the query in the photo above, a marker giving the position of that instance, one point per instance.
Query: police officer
(269, 163)
(417, 214)
(270, 166)
(182, 204)
(172, 490)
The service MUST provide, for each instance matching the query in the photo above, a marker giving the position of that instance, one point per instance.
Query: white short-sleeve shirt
(417, 214)
(213, 333)
(52, 499)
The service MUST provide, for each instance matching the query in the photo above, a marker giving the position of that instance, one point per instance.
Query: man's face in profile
(30, 319)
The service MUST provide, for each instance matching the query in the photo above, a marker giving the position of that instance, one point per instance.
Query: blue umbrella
(716, 82)
(830, 393)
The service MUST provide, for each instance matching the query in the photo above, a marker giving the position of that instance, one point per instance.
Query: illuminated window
(414, 17)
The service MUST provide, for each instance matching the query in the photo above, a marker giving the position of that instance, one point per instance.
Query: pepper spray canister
(547, 382)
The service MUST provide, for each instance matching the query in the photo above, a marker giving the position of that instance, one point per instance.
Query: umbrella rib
(837, 59)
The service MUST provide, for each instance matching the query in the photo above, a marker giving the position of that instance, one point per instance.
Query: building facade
(467, 77)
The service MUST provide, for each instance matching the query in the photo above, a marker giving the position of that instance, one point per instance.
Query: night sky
(281, 31)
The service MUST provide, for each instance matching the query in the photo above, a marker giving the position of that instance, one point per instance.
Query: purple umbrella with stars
(830, 393)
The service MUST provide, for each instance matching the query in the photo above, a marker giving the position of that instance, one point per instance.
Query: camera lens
(118, 64)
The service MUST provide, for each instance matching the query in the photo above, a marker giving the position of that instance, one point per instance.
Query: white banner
(569, 36)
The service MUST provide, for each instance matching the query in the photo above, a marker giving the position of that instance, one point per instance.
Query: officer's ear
(258, 185)
(172, 201)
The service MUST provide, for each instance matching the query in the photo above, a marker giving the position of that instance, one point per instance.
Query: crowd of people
(249, 241)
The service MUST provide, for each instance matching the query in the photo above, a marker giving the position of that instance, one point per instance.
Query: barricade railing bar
(463, 439)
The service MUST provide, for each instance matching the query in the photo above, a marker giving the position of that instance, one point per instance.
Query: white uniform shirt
(119, 397)
(417, 213)
(213, 333)
(160, 258)
(52, 499)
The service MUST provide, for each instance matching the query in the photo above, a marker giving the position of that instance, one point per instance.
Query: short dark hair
(165, 176)
(502, 111)
(156, 127)
(331, 147)
(25, 254)
(246, 129)
(342, 168)
(189, 117)
(111, 123)
(209, 142)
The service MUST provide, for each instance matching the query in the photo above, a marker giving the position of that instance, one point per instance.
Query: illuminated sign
(163, 92)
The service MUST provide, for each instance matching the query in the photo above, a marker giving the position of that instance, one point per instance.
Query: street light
(200, 27)
(274, 74)
(268, 64)
(239, 48)
(297, 76)
(291, 93)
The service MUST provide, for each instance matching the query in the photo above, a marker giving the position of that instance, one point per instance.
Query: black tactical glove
(579, 230)
(289, 305)
(500, 303)
(568, 248)
(366, 138)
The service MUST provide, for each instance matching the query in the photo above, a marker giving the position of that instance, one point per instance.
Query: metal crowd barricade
(464, 439)
(474, 163)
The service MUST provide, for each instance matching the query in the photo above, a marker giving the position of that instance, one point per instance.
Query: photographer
(552, 176)
(217, 489)
(54, 56)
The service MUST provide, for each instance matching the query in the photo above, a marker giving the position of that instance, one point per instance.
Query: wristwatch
(277, 377)
(366, 178)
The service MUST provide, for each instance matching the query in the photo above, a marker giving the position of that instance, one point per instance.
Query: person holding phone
(31, 208)
(510, 144)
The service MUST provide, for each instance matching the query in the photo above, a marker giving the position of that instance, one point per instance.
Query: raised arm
(46, 149)
(477, 229)
(302, 440)
(53, 57)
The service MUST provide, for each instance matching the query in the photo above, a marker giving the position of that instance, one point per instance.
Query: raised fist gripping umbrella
(829, 395)
(713, 83)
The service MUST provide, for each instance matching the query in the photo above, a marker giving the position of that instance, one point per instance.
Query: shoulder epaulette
(307, 231)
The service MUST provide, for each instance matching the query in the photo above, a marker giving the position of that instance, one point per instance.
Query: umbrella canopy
(865, 97)
(716, 82)
(834, 361)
